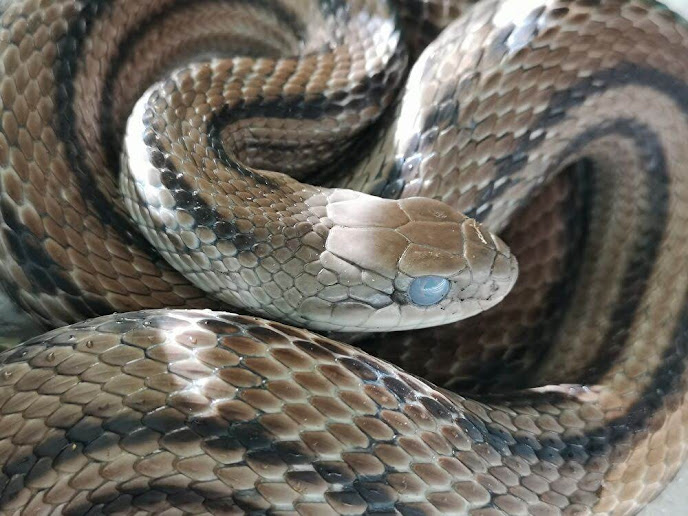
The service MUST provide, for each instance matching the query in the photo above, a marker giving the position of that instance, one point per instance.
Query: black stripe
(65, 69)
(635, 283)
(215, 128)
(46, 275)
(188, 199)
(625, 74)
(667, 377)
(502, 373)
(294, 108)
(648, 237)
(666, 382)
(542, 336)
(370, 91)
(387, 182)
(665, 391)
(651, 152)
(131, 41)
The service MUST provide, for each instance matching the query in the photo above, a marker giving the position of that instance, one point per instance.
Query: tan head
(406, 264)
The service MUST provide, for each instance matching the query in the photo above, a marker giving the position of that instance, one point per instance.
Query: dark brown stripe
(133, 39)
(651, 152)
(647, 238)
(45, 274)
(188, 199)
(65, 69)
(625, 74)
(294, 108)
(666, 381)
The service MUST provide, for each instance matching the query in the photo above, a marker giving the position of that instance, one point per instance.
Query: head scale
(406, 264)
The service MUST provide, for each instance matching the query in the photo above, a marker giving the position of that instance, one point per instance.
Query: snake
(335, 173)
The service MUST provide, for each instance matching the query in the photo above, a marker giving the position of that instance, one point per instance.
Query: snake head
(404, 264)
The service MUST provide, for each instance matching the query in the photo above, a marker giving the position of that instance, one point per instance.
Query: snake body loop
(559, 125)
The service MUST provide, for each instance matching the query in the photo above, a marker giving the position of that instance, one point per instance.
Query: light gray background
(673, 501)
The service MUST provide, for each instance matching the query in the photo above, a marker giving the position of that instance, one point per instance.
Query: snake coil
(158, 162)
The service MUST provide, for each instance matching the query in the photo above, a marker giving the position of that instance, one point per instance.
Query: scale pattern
(569, 398)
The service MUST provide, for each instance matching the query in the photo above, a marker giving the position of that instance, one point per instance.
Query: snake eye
(428, 290)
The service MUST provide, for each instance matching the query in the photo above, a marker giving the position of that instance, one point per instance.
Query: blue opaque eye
(428, 290)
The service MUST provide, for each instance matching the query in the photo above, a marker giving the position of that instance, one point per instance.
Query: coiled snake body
(559, 124)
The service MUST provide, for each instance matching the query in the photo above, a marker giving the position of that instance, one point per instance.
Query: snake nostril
(428, 290)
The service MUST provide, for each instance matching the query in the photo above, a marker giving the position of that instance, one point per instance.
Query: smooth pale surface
(15, 326)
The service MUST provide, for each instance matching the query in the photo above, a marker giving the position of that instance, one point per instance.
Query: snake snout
(493, 268)
(455, 270)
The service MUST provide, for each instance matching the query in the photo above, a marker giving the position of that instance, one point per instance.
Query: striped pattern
(569, 397)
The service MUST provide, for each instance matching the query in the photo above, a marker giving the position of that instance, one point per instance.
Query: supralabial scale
(343, 167)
